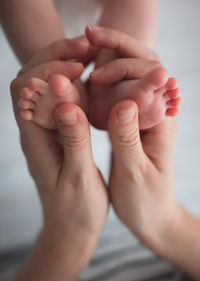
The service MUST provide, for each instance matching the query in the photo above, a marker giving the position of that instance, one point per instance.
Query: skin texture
(136, 18)
(141, 179)
(71, 189)
(182, 225)
(156, 95)
(141, 189)
(131, 17)
(26, 42)
(127, 16)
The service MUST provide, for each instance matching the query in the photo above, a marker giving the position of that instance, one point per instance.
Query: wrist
(179, 240)
(158, 236)
(69, 243)
(57, 256)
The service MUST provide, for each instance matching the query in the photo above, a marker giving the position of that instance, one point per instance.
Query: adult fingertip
(126, 115)
(74, 69)
(66, 118)
(67, 114)
(123, 113)
(72, 123)
(74, 135)
(90, 32)
(97, 76)
(76, 65)
(124, 133)
(92, 28)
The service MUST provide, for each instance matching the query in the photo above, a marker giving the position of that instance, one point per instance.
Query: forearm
(180, 242)
(57, 257)
(135, 17)
(30, 25)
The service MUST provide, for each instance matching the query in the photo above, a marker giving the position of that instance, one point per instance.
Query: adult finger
(75, 137)
(45, 71)
(123, 44)
(66, 49)
(122, 69)
(125, 137)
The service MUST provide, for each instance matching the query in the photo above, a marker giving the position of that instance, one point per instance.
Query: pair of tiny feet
(156, 95)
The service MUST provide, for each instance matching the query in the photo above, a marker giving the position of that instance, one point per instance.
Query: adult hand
(72, 191)
(124, 45)
(141, 180)
(141, 189)
(130, 57)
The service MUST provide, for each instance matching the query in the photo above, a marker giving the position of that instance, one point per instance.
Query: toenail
(125, 116)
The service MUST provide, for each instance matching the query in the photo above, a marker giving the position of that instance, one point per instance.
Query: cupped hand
(141, 179)
(72, 191)
(120, 56)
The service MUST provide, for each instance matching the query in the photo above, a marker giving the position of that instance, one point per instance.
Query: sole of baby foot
(156, 95)
(40, 99)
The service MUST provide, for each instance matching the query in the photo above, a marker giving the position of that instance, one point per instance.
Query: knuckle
(131, 139)
(75, 142)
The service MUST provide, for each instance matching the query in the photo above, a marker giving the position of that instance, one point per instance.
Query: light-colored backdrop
(178, 44)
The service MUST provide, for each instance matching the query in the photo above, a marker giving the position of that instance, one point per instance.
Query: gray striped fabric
(118, 257)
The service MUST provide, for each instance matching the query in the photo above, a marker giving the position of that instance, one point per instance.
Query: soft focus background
(178, 45)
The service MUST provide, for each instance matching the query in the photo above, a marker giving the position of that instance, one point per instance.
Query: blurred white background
(178, 44)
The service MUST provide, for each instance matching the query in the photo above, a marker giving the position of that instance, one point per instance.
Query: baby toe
(172, 111)
(172, 94)
(38, 85)
(26, 115)
(60, 85)
(174, 102)
(28, 94)
(26, 104)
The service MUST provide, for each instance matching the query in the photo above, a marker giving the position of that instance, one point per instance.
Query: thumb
(74, 132)
(125, 137)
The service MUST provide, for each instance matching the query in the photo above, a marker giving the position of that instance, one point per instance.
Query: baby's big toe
(59, 85)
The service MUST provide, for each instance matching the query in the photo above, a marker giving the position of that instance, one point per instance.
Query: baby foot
(39, 99)
(156, 95)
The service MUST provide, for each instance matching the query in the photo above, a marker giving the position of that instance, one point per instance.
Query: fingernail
(98, 71)
(125, 116)
(80, 38)
(74, 63)
(93, 28)
(67, 119)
